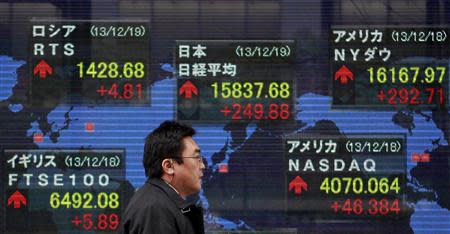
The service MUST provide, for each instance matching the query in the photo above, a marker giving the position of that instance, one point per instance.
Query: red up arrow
(17, 198)
(298, 184)
(188, 88)
(343, 74)
(42, 68)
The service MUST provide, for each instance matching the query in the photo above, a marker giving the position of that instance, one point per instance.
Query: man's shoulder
(150, 195)
(149, 207)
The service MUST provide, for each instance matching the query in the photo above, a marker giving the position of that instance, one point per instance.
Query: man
(173, 163)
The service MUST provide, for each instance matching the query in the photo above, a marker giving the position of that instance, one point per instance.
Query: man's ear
(167, 166)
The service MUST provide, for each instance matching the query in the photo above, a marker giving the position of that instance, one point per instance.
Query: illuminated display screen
(376, 67)
(350, 177)
(80, 187)
(235, 80)
(96, 62)
(311, 116)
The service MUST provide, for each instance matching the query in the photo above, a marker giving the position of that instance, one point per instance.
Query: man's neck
(170, 185)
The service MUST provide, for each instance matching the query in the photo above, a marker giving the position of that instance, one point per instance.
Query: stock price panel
(346, 178)
(375, 67)
(80, 189)
(222, 81)
(89, 62)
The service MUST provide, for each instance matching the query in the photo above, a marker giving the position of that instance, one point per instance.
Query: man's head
(170, 153)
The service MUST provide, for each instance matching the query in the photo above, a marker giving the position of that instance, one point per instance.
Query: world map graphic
(62, 126)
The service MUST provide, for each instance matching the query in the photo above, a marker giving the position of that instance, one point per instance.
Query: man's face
(188, 175)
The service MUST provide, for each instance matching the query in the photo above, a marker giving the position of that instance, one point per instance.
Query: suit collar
(171, 193)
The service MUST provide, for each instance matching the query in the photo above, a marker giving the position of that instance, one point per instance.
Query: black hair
(164, 142)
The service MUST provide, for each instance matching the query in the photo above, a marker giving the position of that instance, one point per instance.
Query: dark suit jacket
(157, 208)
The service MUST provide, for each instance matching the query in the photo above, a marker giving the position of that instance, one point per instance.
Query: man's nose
(202, 165)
